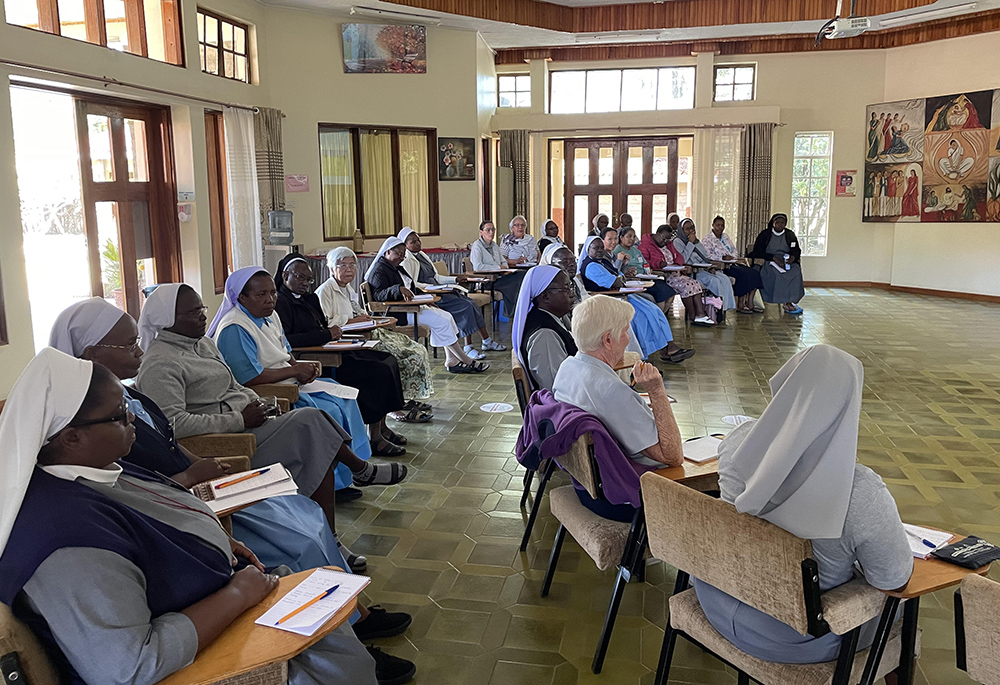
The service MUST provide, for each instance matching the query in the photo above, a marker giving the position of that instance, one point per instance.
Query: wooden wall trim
(967, 25)
(974, 297)
(650, 15)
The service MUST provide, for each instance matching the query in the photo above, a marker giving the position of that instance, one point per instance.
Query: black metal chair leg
(907, 653)
(609, 620)
(885, 622)
(528, 477)
(666, 656)
(553, 559)
(542, 482)
(845, 658)
(742, 678)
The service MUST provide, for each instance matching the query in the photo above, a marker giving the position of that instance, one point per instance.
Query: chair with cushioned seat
(767, 568)
(607, 542)
(374, 307)
(977, 629)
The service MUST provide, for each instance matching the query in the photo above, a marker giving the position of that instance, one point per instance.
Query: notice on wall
(845, 182)
(297, 183)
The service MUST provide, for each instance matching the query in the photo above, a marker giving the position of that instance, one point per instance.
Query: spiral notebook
(249, 487)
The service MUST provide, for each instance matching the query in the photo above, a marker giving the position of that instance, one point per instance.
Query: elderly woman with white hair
(518, 247)
(340, 306)
(648, 435)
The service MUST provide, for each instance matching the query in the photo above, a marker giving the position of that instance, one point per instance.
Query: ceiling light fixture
(619, 37)
(390, 15)
(927, 15)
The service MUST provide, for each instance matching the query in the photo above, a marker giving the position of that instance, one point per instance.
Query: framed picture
(457, 159)
(385, 49)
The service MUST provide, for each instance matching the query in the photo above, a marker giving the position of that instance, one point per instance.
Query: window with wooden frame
(514, 90)
(735, 82)
(223, 46)
(148, 28)
(377, 180)
(218, 200)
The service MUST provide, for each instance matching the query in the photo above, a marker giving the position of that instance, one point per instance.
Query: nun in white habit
(797, 467)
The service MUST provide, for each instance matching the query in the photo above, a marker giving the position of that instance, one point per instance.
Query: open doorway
(96, 187)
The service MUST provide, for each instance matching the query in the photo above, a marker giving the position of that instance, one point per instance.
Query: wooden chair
(383, 308)
(769, 569)
(522, 390)
(977, 629)
(482, 300)
(607, 542)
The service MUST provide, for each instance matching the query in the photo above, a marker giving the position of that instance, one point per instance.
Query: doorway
(643, 177)
(96, 186)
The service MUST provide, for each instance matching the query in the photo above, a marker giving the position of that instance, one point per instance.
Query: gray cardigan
(191, 383)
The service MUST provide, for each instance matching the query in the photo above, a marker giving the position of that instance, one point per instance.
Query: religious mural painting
(933, 159)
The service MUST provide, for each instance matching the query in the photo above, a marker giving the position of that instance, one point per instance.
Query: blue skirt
(468, 317)
(650, 325)
(348, 415)
(661, 292)
(291, 531)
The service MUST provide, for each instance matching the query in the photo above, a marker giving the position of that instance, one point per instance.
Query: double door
(637, 176)
(128, 199)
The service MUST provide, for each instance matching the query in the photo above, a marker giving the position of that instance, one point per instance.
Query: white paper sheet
(634, 284)
(916, 535)
(312, 619)
(348, 345)
(418, 299)
(702, 449)
(649, 277)
(336, 389)
(439, 288)
(363, 325)
(671, 268)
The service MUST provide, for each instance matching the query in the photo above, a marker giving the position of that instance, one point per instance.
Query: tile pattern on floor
(444, 545)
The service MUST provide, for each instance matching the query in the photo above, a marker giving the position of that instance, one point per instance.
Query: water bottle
(787, 264)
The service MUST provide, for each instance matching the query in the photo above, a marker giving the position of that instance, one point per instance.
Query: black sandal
(415, 415)
(413, 404)
(393, 437)
(387, 449)
(462, 367)
(479, 367)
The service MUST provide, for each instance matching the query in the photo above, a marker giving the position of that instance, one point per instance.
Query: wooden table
(701, 477)
(377, 323)
(317, 354)
(245, 646)
(929, 575)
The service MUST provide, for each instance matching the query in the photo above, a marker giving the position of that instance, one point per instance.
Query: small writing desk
(702, 477)
(245, 646)
(492, 277)
(317, 354)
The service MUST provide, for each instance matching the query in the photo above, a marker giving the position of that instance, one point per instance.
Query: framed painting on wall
(456, 159)
(385, 49)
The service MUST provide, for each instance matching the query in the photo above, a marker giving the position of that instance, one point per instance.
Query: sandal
(387, 449)
(415, 415)
(382, 474)
(393, 437)
(474, 367)
(479, 367)
(419, 405)
(746, 310)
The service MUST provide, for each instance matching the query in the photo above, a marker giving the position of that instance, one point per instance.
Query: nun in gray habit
(796, 466)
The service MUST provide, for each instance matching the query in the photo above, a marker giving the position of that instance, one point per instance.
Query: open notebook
(923, 541)
(349, 345)
(312, 602)
(702, 449)
(365, 325)
(245, 488)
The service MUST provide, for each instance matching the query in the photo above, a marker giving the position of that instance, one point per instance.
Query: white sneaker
(474, 353)
(704, 320)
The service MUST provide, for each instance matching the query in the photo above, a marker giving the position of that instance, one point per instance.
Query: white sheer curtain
(726, 178)
(244, 202)
(414, 181)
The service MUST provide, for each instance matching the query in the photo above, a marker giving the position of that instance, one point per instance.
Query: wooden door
(129, 206)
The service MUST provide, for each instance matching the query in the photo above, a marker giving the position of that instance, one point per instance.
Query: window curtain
(726, 179)
(241, 176)
(337, 184)
(270, 164)
(376, 186)
(414, 181)
(754, 206)
(514, 153)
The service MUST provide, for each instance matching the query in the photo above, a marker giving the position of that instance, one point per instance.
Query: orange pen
(242, 478)
(307, 605)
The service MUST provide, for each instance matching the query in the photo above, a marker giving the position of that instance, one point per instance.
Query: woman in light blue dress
(649, 324)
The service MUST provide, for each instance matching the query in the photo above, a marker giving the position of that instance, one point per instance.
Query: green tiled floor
(444, 545)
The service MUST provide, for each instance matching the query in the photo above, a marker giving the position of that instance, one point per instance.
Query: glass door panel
(109, 246)
(581, 166)
(605, 166)
(135, 150)
(581, 221)
(634, 208)
(99, 135)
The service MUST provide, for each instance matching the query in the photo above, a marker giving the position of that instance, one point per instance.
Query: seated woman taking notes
(803, 476)
(123, 575)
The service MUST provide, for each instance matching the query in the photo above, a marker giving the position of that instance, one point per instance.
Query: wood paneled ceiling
(653, 15)
(966, 25)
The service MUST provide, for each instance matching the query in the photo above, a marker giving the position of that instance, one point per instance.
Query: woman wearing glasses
(339, 306)
(541, 341)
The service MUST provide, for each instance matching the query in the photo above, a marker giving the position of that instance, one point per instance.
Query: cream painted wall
(310, 86)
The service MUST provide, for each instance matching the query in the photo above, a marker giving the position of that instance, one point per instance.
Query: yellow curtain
(414, 181)
(376, 186)
(339, 212)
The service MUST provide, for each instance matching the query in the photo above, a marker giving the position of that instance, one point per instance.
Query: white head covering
(593, 221)
(389, 243)
(335, 255)
(405, 233)
(158, 312)
(288, 264)
(541, 230)
(234, 286)
(43, 401)
(549, 251)
(536, 280)
(83, 324)
(583, 252)
(796, 465)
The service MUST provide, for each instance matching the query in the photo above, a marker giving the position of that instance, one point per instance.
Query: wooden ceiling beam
(967, 25)
(652, 16)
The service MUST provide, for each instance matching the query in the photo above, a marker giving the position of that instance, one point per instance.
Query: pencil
(242, 478)
(307, 605)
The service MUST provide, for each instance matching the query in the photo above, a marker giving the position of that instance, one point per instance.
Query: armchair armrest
(237, 463)
(287, 391)
(221, 444)
(847, 606)
(284, 405)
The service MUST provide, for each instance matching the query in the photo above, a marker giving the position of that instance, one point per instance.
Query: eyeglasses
(558, 288)
(131, 347)
(353, 265)
(121, 418)
(194, 312)
(304, 279)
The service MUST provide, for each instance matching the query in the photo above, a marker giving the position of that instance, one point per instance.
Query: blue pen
(929, 544)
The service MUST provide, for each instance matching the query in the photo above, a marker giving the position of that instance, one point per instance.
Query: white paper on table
(439, 288)
(630, 290)
(312, 619)
(702, 449)
(736, 419)
(634, 284)
(915, 535)
(700, 265)
(418, 299)
(350, 345)
(671, 268)
(649, 277)
(336, 389)
(363, 325)
(275, 483)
